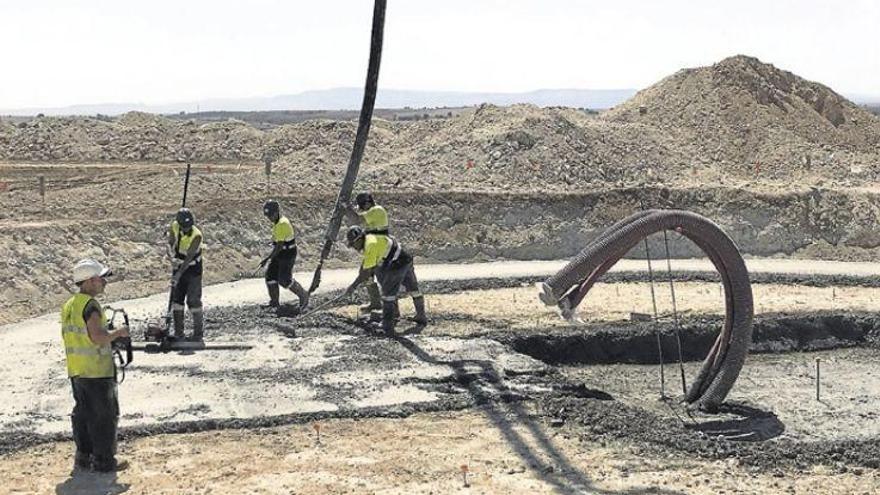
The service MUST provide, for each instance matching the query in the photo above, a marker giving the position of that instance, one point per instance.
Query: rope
(675, 314)
(656, 328)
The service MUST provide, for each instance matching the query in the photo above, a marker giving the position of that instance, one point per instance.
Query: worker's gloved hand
(175, 263)
(122, 332)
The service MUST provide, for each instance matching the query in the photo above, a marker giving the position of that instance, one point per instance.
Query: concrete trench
(636, 343)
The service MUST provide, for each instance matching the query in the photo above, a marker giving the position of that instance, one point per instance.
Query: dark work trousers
(94, 418)
(189, 288)
(280, 269)
(395, 274)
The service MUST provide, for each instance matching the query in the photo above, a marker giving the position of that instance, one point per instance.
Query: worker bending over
(87, 345)
(282, 257)
(392, 267)
(375, 220)
(186, 243)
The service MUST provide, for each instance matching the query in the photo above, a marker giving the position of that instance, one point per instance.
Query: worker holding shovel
(375, 220)
(393, 267)
(282, 258)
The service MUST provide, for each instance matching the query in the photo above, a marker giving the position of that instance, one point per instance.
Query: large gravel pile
(745, 114)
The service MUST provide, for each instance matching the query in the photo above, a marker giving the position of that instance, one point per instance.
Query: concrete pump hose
(577, 293)
(725, 360)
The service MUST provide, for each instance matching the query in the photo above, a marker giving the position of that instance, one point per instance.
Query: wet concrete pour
(598, 420)
(299, 369)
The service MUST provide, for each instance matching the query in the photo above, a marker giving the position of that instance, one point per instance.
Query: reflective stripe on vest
(85, 359)
(88, 352)
(393, 251)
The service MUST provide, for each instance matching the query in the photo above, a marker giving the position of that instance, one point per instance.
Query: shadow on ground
(749, 424)
(506, 411)
(91, 483)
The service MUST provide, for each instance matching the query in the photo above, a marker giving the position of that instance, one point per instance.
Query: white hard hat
(86, 269)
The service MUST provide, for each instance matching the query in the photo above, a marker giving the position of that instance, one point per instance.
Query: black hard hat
(362, 199)
(354, 233)
(271, 208)
(185, 218)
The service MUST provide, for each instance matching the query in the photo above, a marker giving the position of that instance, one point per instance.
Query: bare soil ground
(508, 451)
(523, 430)
(516, 308)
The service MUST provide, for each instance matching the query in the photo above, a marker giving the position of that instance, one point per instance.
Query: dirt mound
(487, 148)
(132, 137)
(748, 114)
(737, 121)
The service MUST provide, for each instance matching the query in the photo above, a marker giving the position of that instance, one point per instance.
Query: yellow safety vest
(283, 232)
(85, 359)
(380, 249)
(184, 241)
(376, 220)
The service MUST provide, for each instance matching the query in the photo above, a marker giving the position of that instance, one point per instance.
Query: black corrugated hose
(725, 360)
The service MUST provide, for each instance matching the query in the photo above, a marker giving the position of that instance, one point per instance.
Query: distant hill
(350, 99)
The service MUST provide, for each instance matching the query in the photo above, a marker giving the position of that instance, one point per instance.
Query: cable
(656, 327)
(675, 314)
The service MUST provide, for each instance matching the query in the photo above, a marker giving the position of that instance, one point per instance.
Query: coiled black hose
(725, 360)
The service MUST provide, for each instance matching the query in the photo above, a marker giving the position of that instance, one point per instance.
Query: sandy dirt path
(506, 450)
(517, 307)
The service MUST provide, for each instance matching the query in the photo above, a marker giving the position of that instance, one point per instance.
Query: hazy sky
(62, 52)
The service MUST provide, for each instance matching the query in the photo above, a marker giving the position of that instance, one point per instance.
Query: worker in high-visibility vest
(375, 220)
(280, 261)
(392, 266)
(91, 370)
(186, 243)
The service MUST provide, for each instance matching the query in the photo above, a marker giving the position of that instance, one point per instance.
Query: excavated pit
(636, 342)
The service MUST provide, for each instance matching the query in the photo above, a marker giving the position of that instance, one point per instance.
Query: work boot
(198, 325)
(375, 303)
(419, 304)
(301, 293)
(388, 319)
(109, 466)
(177, 315)
(274, 292)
